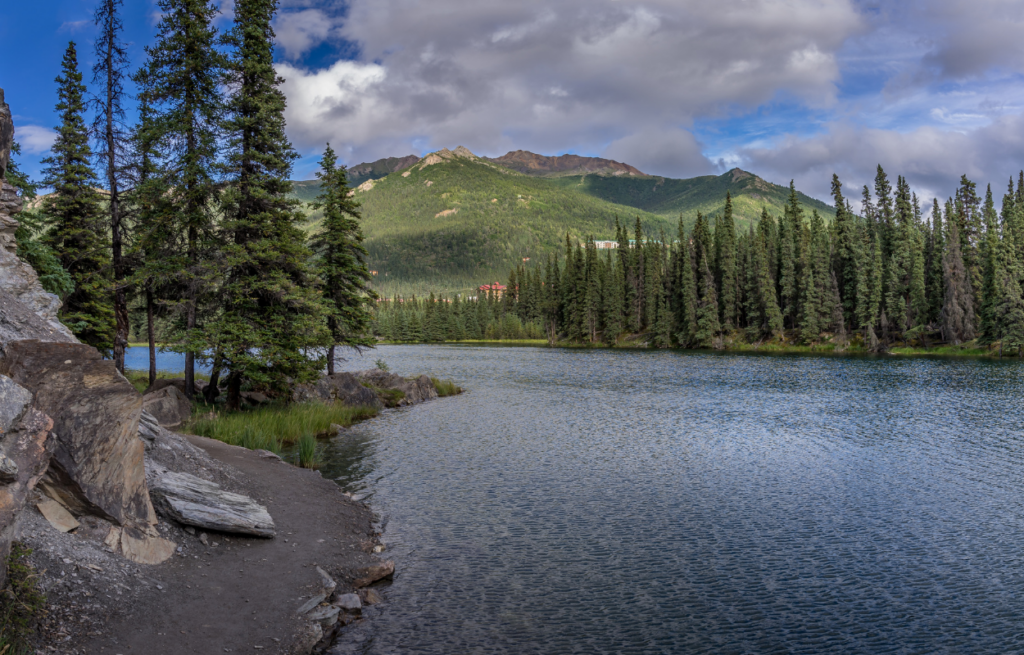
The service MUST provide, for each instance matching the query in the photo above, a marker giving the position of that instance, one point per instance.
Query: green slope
(454, 221)
(669, 197)
(451, 226)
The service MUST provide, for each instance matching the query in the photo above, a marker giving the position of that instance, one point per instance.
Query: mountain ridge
(453, 220)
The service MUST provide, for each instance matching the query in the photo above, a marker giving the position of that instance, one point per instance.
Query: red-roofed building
(497, 289)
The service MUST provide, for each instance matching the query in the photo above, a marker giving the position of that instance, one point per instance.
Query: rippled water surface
(631, 502)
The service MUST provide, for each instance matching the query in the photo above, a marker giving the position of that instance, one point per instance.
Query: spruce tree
(958, 319)
(687, 292)
(725, 246)
(613, 319)
(341, 260)
(74, 215)
(933, 263)
(273, 316)
(112, 138)
(186, 72)
(790, 232)
(708, 327)
(846, 246)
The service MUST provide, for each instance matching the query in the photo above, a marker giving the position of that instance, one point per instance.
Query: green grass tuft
(140, 379)
(273, 427)
(446, 388)
(309, 453)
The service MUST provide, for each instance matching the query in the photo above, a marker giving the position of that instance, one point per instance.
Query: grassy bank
(140, 379)
(277, 426)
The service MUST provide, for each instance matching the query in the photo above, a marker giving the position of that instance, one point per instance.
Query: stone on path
(58, 517)
(193, 501)
(370, 574)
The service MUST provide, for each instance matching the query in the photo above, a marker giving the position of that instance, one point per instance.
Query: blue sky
(788, 89)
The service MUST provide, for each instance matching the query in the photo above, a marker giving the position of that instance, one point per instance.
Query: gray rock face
(415, 390)
(26, 310)
(6, 134)
(168, 406)
(193, 501)
(14, 398)
(24, 446)
(97, 465)
(343, 387)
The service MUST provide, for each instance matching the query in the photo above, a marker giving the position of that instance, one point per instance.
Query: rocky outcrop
(97, 466)
(26, 310)
(23, 457)
(410, 391)
(193, 501)
(169, 406)
(342, 387)
(540, 165)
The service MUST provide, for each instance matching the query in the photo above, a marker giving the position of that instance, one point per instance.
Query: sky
(786, 89)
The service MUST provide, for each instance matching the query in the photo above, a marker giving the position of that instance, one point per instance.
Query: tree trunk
(330, 360)
(212, 389)
(234, 392)
(150, 333)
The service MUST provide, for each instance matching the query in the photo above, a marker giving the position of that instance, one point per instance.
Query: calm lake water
(633, 502)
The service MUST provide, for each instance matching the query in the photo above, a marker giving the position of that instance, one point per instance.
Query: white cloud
(34, 139)
(672, 153)
(554, 76)
(301, 31)
(931, 159)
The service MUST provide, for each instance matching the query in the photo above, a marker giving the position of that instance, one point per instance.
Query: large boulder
(97, 465)
(169, 406)
(342, 387)
(23, 457)
(413, 390)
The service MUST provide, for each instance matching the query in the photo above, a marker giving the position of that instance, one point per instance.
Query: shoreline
(826, 350)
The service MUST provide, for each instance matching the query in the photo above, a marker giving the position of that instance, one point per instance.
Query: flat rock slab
(193, 501)
(58, 517)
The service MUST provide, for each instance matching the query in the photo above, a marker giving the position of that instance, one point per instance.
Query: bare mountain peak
(541, 165)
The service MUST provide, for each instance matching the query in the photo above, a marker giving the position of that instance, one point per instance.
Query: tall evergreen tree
(342, 260)
(73, 214)
(846, 255)
(958, 318)
(725, 246)
(112, 137)
(186, 73)
(272, 316)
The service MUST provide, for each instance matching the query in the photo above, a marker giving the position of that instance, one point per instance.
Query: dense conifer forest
(184, 223)
(881, 278)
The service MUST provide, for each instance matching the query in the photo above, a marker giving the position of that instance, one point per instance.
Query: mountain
(307, 191)
(453, 220)
(541, 166)
(706, 194)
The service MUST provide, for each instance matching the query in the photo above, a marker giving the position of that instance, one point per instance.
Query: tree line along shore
(884, 279)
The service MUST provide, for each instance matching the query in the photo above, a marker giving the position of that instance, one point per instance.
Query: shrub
(446, 387)
(21, 603)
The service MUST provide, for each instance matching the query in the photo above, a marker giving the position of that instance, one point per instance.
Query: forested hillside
(454, 221)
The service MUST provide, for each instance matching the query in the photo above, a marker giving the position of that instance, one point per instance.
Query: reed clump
(446, 387)
(276, 426)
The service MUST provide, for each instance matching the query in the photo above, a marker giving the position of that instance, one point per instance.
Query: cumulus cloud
(301, 31)
(931, 159)
(555, 76)
(672, 153)
(34, 139)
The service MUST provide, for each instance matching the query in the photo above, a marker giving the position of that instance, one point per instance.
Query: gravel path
(233, 593)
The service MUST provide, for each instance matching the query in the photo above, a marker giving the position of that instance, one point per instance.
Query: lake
(578, 501)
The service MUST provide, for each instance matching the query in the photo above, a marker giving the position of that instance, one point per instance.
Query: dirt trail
(242, 593)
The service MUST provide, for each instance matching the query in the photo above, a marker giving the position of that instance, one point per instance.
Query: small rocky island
(150, 541)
